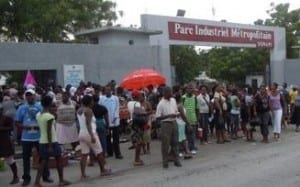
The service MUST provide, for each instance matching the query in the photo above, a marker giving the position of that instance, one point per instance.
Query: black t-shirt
(99, 111)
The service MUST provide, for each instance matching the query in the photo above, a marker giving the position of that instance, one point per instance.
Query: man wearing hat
(26, 119)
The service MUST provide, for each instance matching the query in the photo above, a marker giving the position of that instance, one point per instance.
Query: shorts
(86, 144)
(44, 150)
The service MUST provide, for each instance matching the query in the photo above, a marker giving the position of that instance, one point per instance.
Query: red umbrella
(142, 78)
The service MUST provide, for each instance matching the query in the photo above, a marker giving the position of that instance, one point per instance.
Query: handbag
(139, 117)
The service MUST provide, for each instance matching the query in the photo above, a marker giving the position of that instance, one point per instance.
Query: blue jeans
(101, 131)
(235, 121)
(191, 137)
(27, 150)
(204, 123)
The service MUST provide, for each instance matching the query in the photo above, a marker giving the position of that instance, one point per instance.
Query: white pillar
(278, 56)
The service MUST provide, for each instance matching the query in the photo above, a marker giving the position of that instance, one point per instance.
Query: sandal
(138, 163)
(187, 157)
(83, 178)
(106, 172)
(15, 180)
(64, 183)
(220, 142)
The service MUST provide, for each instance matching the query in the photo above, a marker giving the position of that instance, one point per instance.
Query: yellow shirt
(293, 95)
(43, 123)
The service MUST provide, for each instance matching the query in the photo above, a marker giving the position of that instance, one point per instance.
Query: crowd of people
(91, 118)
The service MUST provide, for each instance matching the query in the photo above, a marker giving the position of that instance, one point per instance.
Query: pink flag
(29, 79)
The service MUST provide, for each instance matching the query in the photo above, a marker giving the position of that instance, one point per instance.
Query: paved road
(235, 164)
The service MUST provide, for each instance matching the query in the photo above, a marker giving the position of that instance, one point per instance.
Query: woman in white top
(235, 114)
(135, 108)
(204, 109)
(88, 137)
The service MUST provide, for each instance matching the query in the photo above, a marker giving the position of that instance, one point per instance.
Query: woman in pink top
(276, 109)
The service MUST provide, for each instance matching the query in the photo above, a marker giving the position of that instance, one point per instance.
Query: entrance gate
(184, 31)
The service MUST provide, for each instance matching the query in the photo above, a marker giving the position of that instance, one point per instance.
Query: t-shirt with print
(43, 123)
(190, 105)
(262, 103)
(234, 100)
(26, 114)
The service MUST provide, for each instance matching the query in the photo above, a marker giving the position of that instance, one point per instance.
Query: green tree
(52, 20)
(281, 16)
(231, 65)
(186, 61)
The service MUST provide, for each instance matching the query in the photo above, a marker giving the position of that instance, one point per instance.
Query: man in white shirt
(167, 112)
(111, 103)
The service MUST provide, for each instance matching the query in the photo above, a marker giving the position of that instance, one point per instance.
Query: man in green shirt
(190, 105)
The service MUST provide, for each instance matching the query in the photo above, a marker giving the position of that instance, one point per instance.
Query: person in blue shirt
(112, 105)
(26, 119)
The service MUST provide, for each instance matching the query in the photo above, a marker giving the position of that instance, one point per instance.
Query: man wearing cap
(26, 119)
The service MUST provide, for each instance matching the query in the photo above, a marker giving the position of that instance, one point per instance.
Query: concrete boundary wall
(101, 63)
(292, 71)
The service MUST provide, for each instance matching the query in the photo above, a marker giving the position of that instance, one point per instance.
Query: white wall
(259, 78)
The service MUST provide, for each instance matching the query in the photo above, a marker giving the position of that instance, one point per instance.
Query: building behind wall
(114, 53)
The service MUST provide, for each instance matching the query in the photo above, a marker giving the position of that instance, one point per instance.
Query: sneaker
(187, 156)
(194, 152)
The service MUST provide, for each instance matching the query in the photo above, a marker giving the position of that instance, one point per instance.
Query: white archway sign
(184, 31)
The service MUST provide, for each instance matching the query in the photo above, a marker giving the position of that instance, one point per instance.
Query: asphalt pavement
(235, 164)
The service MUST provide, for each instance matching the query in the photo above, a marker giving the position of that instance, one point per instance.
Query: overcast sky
(236, 11)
